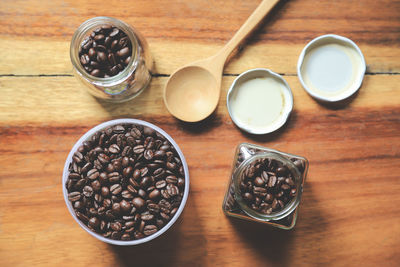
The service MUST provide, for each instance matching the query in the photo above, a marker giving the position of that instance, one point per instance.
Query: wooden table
(350, 211)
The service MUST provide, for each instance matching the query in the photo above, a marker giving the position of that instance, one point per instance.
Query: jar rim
(289, 208)
(82, 32)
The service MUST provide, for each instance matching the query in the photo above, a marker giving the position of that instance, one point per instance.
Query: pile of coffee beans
(268, 185)
(106, 52)
(126, 182)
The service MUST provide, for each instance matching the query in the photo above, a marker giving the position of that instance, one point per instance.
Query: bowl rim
(288, 105)
(87, 135)
(351, 90)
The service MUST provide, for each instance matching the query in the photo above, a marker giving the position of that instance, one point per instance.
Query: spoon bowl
(192, 92)
(194, 89)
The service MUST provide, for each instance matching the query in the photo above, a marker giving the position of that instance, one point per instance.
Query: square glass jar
(234, 206)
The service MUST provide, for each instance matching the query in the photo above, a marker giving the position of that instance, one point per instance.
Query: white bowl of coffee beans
(125, 182)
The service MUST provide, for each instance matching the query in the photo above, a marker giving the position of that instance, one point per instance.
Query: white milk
(258, 102)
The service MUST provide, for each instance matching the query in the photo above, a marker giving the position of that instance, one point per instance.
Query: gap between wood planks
(167, 75)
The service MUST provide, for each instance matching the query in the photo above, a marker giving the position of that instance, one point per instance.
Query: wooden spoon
(192, 92)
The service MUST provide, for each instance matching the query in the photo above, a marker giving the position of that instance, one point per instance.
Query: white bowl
(286, 93)
(330, 88)
(85, 137)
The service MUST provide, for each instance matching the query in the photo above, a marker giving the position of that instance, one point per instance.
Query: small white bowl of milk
(331, 68)
(259, 101)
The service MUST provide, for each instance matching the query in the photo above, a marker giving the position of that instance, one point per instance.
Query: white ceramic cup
(85, 137)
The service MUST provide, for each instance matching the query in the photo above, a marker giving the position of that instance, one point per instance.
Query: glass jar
(127, 84)
(235, 206)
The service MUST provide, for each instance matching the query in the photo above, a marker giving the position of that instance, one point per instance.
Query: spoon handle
(255, 18)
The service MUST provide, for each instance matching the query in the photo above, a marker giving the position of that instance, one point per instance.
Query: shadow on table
(274, 245)
(183, 243)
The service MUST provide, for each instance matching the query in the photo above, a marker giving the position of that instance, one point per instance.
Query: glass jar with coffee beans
(265, 186)
(111, 58)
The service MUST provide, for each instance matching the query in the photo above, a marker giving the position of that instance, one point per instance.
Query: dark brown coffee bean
(281, 171)
(161, 184)
(93, 174)
(96, 185)
(293, 192)
(125, 206)
(94, 223)
(126, 194)
(138, 202)
(116, 226)
(171, 179)
(114, 45)
(127, 60)
(146, 182)
(172, 190)
(87, 191)
(103, 158)
(74, 196)
(148, 154)
(299, 164)
(132, 189)
(272, 181)
(116, 208)
(74, 176)
(248, 197)
(127, 172)
(114, 32)
(116, 189)
(105, 191)
(114, 177)
(92, 53)
(147, 217)
(114, 149)
(138, 149)
(258, 181)
(155, 194)
(124, 52)
(150, 229)
(85, 59)
(125, 162)
(126, 236)
(103, 178)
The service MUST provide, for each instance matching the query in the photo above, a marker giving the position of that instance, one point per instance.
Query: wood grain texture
(350, 212)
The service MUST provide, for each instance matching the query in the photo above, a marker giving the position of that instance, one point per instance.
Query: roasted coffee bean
(96, 185)
(113, 177)
(127, 171)
(258, 181)
(125, 206)
(171, 179)
(272, 181)
(126, 194)
(172, 190)
(87, 191)
(94, 223)
(161, 184)
(93, 174)
(150, 229)
(74, 196)
(138, 202)
(155, 194)
(116, 189)
(247, 197)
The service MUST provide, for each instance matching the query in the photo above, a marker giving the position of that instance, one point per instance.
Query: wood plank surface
(350, 211)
